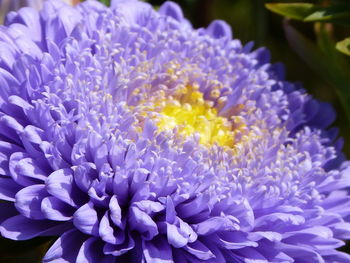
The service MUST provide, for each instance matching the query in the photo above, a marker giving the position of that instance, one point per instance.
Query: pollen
(189, 113)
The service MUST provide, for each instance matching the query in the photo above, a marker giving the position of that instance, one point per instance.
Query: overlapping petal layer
(82, 157)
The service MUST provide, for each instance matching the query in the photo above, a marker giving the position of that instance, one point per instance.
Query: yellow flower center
(188, 113)
(192, 114)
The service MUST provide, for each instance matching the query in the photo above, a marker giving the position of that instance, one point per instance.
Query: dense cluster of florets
(136, 138)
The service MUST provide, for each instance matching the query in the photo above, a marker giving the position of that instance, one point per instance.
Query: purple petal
(9, 148)
(216, 224)
(269, 235)
(24, 170)
(61, 185)
(110, 233)
(324, 117)
(234, 240)
(138, 179)
(6, 149)
(121, 188)
(149, 206)
(86, 219)
(66, 247)
(54, 209)
(84, 175)
(21, 106)
(9, 84)
(28, 47)
(320, 231)
(251, 255)
(319, 242)
(341, 230)
(299, 252)
(172, 9)
(115, 210)
(7, 210)
(8, 189)
(91, 252)
(157, 251)
(100, 156)
(219, 29)
(28, 201)
(170, 215)
(198, 205)
(335, 256)
(199, 250)
(33, 134)
(60, 22)
(135, 12)
(22, 228)
(118, 250)
(142, 222)
(8, 53)
(31, 19)
(10, 125)
(180, 236)
(274, 218)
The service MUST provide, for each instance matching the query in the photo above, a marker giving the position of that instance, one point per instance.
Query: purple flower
(8, 5)
(133, 137)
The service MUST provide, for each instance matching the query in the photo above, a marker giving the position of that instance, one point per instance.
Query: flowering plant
(132, 137)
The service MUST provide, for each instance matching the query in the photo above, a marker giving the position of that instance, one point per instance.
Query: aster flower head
(133, 137)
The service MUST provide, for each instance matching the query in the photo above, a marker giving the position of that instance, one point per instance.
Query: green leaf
(339, 14)
(333, 14)
(106, 2)
(296, 11)
(328, 14)
(344, 46)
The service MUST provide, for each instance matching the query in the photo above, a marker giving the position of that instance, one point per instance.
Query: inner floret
(188, 113)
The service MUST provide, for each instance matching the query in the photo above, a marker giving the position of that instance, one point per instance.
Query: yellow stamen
(190, 113)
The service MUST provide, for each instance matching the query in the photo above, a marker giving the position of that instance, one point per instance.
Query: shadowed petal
(8, 189)
(91, 252)
(86, 219)
(118, 250)
(61, 185)
(22, 228)
(219, 29)
(8, 210)
(65, 248)
(199, 250)
(157, 251)
(173, 10)
(110, 233)
(28, 201)
(55, 209)
(24, 170)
